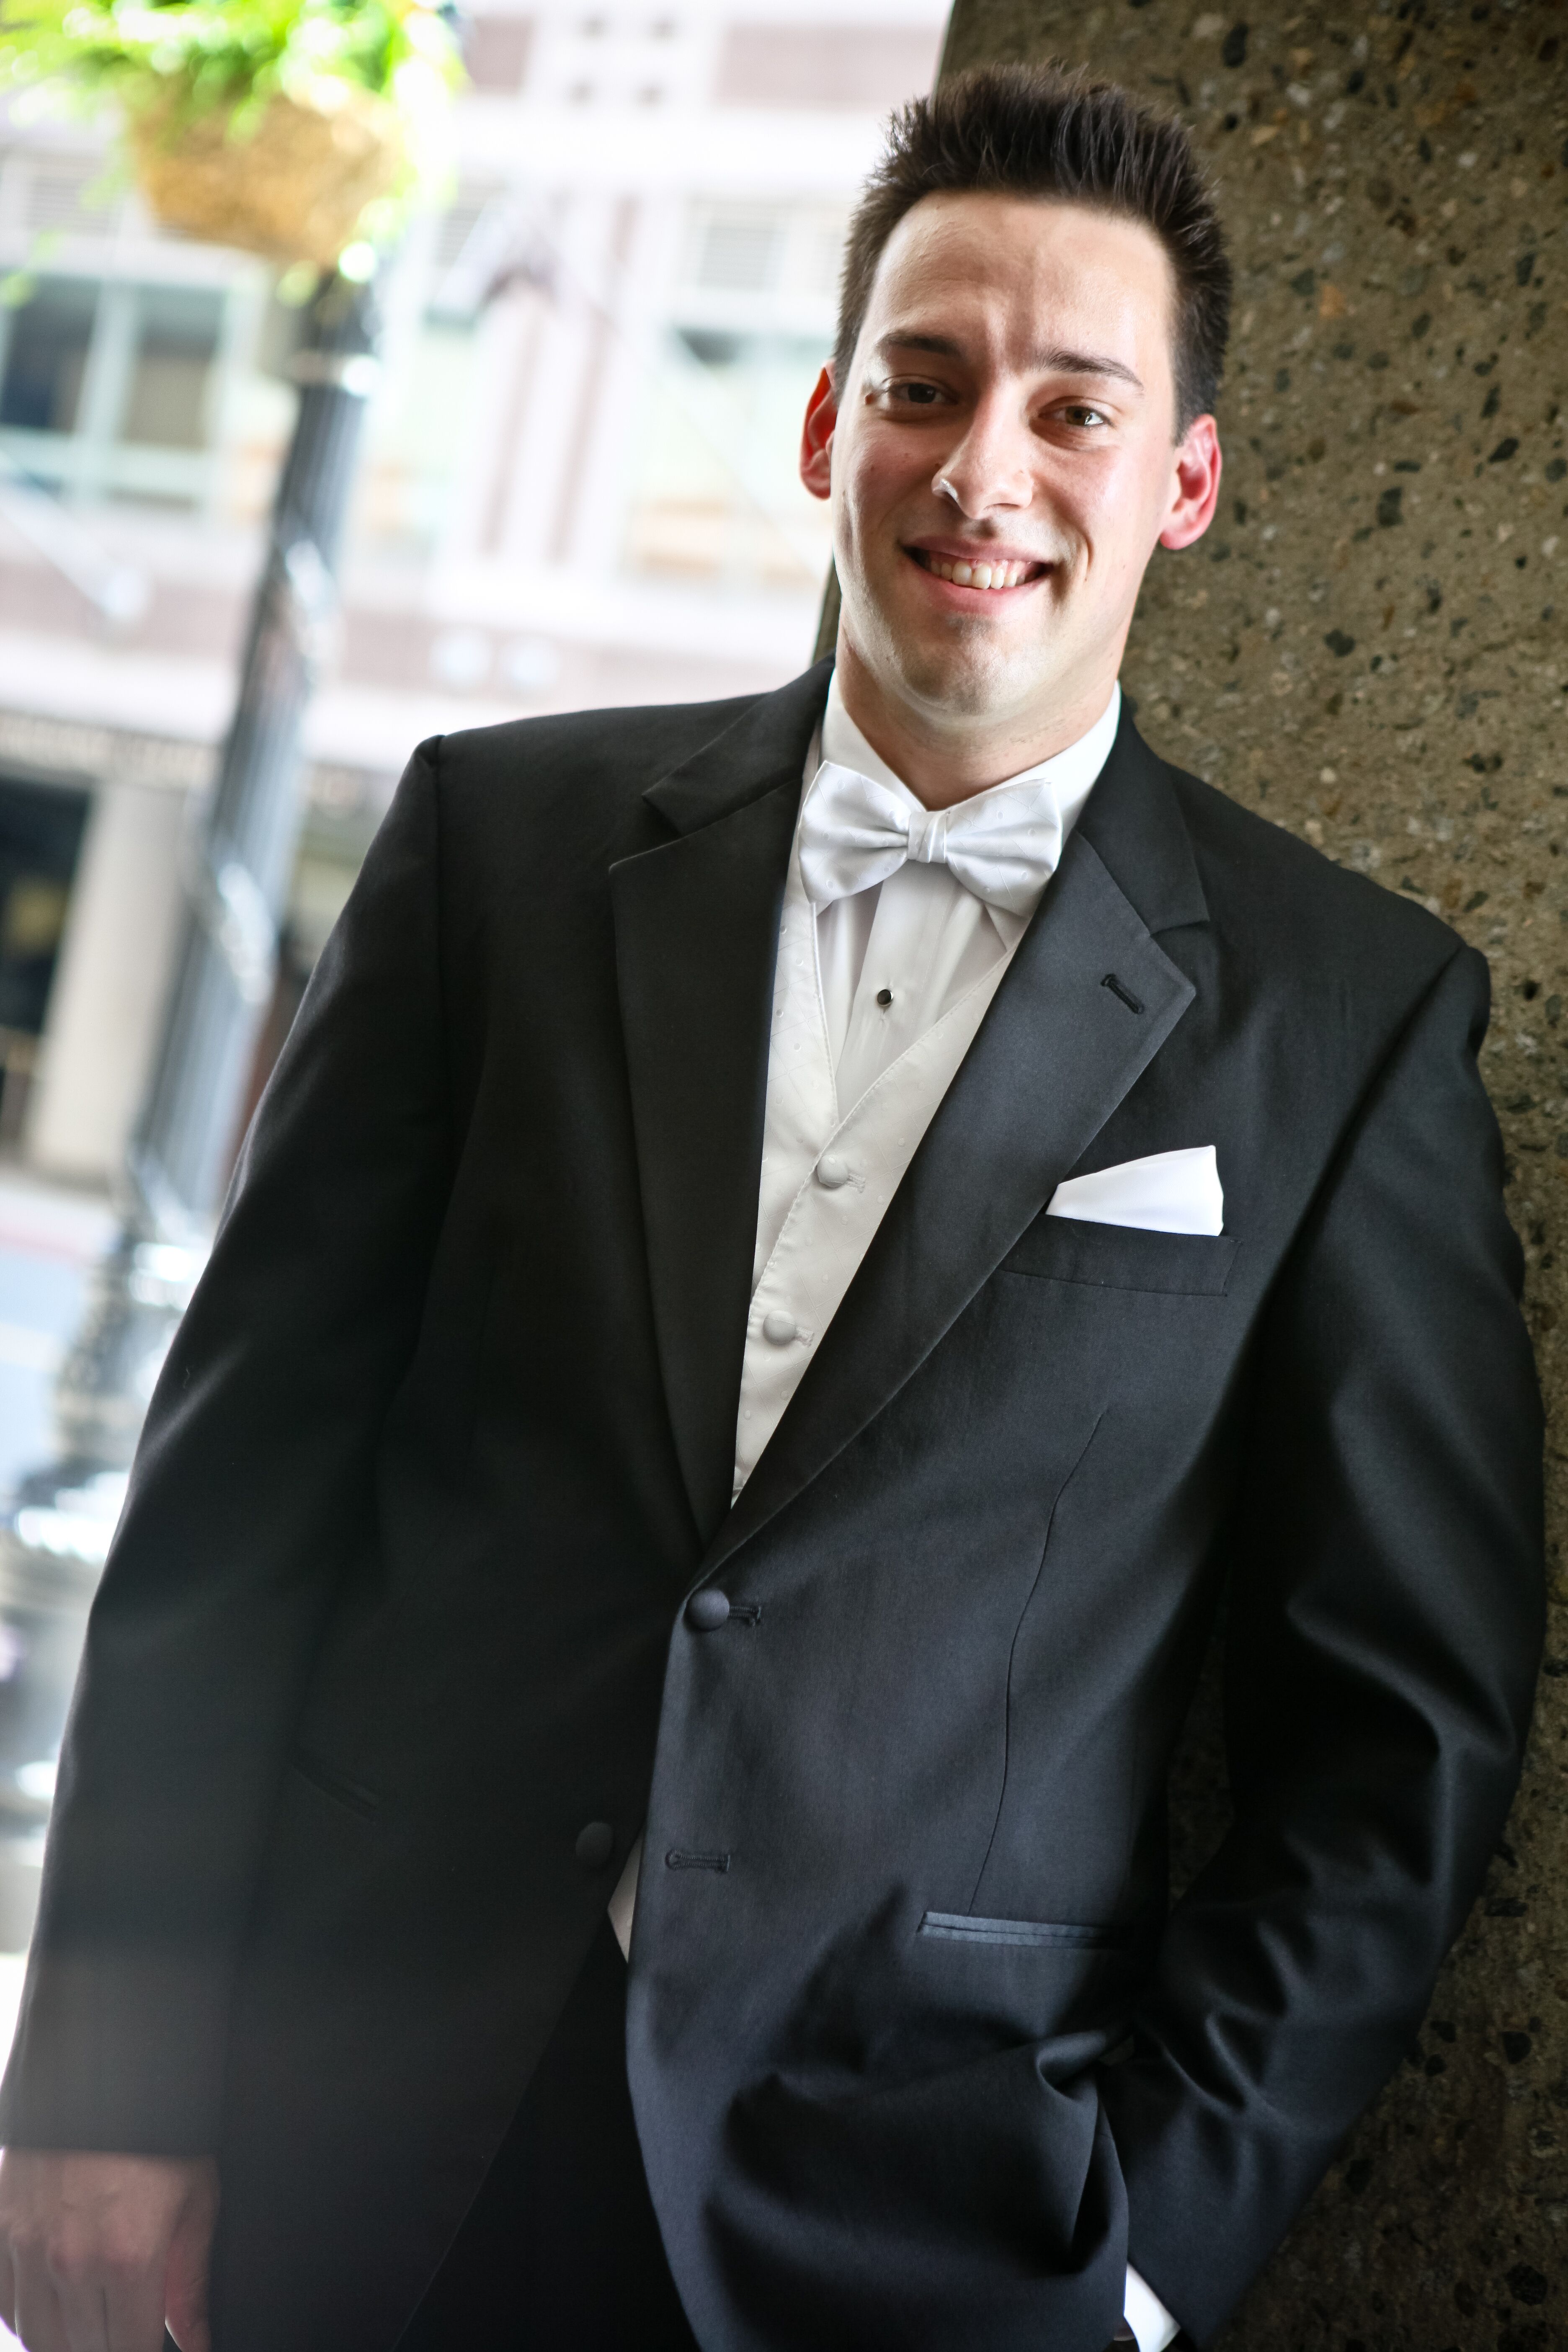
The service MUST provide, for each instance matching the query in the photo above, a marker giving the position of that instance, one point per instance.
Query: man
(794, 1250)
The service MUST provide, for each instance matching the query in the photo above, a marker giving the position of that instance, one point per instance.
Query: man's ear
(1195, 493)
(817, 437)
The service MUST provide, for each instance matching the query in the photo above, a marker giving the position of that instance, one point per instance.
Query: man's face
(1010, 405)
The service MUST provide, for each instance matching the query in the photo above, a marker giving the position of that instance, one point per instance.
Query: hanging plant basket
(292, 128)
(295, 185)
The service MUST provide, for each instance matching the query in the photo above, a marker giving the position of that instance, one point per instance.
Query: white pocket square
(1170, 1192)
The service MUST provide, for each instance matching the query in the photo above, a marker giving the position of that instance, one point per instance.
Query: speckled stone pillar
(1371, 647)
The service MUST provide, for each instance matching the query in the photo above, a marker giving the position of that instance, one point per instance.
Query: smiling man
(1022, 428)
(797, 1251)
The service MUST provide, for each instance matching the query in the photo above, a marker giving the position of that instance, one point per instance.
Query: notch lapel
(697, 923)
(1056, 1055)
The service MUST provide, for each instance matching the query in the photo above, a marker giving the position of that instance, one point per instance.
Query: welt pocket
(962, 1927)
(353, 1794)
(1123, 1258)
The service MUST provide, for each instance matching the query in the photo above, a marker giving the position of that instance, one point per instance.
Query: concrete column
(1371, 647)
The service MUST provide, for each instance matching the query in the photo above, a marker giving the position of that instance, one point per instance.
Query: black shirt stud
(595, 1844)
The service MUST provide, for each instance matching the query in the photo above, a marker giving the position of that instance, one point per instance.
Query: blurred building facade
(580, 487)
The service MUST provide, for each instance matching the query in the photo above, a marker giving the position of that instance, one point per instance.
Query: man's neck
(943, 762)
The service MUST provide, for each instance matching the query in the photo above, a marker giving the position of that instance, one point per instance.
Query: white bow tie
(1002, 845)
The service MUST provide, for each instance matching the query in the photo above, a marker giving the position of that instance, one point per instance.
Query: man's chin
(970, 682)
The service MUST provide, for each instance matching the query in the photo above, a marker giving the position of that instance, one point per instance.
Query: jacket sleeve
(252, 1483)
(1385, 1621)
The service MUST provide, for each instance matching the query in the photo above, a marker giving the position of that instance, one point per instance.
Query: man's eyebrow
(1088, 363)
(1063, 362)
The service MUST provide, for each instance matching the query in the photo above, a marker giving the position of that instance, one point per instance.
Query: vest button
(832, 1172)
(778, 1330)
(595, 1844)
(707, 1610)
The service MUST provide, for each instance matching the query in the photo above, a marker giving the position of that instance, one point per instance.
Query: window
(41, 836)
(106, 388)
(628, 59)
(418, 438)
(716, 493)
(791, 251)
(64, 195)
(175, 345)
(740, 252)
(494, 51)
(46, 357)
(418, 433)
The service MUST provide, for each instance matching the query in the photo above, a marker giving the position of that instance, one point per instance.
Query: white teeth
(977, 575)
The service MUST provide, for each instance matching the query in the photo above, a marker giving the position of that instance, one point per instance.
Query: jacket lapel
(1055, 1056)
(697, 923)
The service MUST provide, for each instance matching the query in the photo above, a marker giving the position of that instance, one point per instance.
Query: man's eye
(1081, 414)
(916, 396)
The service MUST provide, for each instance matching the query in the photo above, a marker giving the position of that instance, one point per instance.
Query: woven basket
(294, 187)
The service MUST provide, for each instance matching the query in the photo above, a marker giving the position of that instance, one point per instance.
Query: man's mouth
(980, 571)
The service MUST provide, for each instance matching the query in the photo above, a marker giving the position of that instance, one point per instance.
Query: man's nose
(991, 467)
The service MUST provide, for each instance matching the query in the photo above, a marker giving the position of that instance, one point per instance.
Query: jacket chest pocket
(1123, 1257)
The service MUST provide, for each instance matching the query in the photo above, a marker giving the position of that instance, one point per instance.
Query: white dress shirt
(877, 1000)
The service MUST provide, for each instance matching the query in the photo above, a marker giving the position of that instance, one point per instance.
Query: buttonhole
(678, 1859)
(1126, 995)
(884, 997)
(745, 1613)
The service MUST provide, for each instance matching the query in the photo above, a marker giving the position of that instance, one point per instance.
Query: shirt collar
(1074, 773)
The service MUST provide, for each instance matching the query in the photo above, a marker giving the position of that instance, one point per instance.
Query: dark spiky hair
(1040, 130)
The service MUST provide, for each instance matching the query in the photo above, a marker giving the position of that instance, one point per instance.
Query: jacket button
(595, 1845)
(832, 1172)
(707, 1610)
(778, 1329)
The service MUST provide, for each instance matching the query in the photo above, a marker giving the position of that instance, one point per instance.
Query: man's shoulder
(633, 745)
(1294, 902)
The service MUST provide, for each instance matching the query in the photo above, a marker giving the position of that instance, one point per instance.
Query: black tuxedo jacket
(445, 1441)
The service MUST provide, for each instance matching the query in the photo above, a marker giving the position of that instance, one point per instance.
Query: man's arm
(1385, 1621)
(251, 1484)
